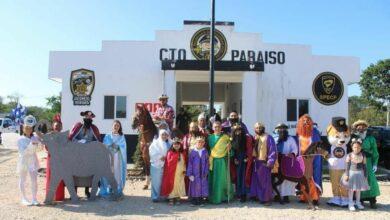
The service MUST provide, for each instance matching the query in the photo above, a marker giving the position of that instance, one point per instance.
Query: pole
(211, 82)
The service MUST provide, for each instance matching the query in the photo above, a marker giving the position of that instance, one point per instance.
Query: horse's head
(317, 148)
(143, 120)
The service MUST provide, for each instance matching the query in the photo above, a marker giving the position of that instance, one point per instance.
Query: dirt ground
(137, 204)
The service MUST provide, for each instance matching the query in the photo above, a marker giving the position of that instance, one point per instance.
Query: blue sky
(29, 29)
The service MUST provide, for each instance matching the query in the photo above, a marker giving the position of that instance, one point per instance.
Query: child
(157, 152)
(355, 178)
(173, 185)
(28, 160)
(197, 172)
(116, 143)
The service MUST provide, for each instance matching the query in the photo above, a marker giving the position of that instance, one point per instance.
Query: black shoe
(243, 199)
(286, 199)
(373, 205)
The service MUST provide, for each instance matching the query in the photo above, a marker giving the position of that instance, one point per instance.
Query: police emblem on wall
(328, 88)
(82, 83)
(200, 44)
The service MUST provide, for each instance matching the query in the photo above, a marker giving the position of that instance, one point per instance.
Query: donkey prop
(303, 170)
(147, 131)
(72, 160)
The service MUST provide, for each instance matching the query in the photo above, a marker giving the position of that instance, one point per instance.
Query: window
(114, 107)
(296, 108)
(120, 107)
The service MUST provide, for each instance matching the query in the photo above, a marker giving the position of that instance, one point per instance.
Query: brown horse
(147, 131)
(317, 148)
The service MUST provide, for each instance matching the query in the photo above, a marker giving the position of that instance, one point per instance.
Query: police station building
(266, 82)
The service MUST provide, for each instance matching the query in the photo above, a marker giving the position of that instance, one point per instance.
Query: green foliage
(359, 108)
(194, 110)
(54, 102)
(375, 83)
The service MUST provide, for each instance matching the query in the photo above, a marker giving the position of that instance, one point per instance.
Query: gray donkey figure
(72, 160)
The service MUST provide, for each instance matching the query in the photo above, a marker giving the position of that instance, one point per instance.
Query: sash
(220, 149)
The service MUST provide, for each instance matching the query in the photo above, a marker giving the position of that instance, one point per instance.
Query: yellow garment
(337, 188)
(219, 150)
(262, 147)
(179, 188)
(192, 143)
(304, 143)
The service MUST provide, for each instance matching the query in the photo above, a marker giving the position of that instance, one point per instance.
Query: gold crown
(200, 138)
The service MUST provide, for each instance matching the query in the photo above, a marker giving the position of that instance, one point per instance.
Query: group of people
(82, 132)
(217, 163)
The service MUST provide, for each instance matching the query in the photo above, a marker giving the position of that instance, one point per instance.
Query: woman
(116, 143)
(157, 152)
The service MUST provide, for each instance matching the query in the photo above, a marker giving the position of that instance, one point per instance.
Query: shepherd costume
(338, 136)
(117, 145)
(157, 150)
(172, 185)
(308, 135)
(198, 167)
(166, 112)
(220, 187)
(265, 156)
(370, 150)
(242, 151)
(60, 192)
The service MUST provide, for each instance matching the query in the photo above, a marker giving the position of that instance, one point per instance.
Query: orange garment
(304, 143)
(315, 194)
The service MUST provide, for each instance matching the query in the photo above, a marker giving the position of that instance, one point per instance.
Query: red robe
(78, 126)
(60, 191)
(168, 179)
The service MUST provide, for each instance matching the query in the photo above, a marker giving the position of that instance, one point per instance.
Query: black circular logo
(338, 152)
(200, 44)
(328, 88)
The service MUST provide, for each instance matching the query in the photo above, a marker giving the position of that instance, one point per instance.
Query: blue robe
(120, 141)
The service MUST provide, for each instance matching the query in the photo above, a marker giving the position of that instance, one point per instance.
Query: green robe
(219, 177)
(371, 151)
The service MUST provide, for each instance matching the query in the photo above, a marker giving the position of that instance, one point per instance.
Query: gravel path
(137, 205)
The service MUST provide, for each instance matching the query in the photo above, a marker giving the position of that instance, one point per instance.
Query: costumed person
(28, 164)
(197, 172)
(202, 124)
(182, 120)
(338, 136)
(355, 176)
(60, 191)
(220, 187)
(370, 150)
(116, 143)
(165, 112)
(232, 120)
(157, 152)
(189, 140)
(307, 135)
(172, 186)
(84, 132)
(286, 147)
(265, 155)
(242, 147)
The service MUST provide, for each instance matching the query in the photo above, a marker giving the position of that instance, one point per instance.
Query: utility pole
(212, 61)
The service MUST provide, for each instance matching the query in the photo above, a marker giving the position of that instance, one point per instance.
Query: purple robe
(199, 168)
(261, 184)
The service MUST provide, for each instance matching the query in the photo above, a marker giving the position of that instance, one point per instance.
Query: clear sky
(29, 29)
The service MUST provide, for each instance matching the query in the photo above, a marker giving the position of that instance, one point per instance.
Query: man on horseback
(286, 147)
(165, 112)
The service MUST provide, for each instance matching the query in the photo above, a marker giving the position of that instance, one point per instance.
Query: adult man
(242, 146)
(307, 135)
(182, 120)
(370, 151)
(233, 119)
(189, 140)
(286, 147)
(84, 132)
(220, 187)
(202, 124)
(264, 153)
(165, 112)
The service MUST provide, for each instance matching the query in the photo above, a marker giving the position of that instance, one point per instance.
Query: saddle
(292, 167)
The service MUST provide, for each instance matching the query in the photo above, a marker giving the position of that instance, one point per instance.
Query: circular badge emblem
(328, 88)
(200, 44)
(339, 152)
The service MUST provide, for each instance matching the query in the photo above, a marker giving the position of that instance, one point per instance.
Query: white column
(249, 99)
(170, 87)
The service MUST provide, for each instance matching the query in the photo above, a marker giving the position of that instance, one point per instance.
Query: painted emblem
(82, 84)
(200, 44)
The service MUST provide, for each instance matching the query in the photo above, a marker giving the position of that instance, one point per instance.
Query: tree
(359, 108)
(375, 85)
(54, 102)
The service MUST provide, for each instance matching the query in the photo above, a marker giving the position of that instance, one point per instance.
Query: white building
(265, 82)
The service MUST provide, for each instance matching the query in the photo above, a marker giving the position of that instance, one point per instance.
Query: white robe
(287, 188)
